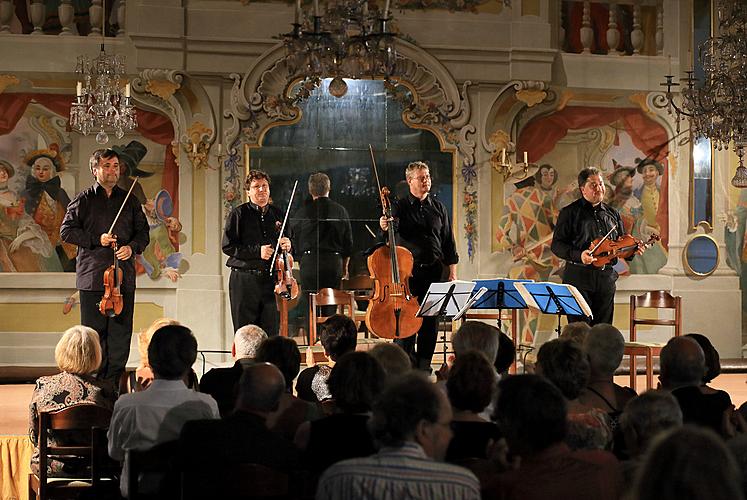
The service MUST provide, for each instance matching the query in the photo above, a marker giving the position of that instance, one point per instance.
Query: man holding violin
(88, 224)
(586, 220)
(423, 226)
(251, 233)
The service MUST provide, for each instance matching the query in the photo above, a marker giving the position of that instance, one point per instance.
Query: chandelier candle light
(102, 102)
(717, 107)
(346, 41)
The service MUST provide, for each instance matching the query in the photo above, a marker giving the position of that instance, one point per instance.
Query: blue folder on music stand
(501, 294)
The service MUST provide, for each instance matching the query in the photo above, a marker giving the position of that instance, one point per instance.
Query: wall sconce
(501, 163)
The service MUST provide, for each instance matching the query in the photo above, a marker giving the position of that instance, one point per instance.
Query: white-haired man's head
(247, 340)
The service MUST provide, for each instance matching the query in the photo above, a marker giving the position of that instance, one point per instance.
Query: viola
(606, 250)
(286, 285)
(111, 302)
(392, 310)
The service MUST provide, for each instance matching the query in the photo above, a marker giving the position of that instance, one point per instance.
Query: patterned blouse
(57, 392)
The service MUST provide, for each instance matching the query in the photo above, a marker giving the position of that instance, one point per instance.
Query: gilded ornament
(639, 99)
(8, 80)
(162, 88)
(530, 97)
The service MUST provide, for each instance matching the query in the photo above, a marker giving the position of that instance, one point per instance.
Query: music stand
(444, 300)
(554, 298)
(501, 294)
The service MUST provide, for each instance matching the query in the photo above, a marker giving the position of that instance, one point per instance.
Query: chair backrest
(657, 299)
(362, 286)
(159, 463)
(327, 297)
(86, 418)
(236, 481)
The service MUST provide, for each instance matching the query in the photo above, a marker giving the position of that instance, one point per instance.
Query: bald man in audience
(682, 369)
(208, 446)
(222, 383)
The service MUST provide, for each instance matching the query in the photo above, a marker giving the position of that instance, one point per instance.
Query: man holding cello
(251, 233)
(109, 227)
(582, 222)
(423, 226)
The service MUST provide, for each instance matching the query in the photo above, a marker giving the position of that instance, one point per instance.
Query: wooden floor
(14, 399)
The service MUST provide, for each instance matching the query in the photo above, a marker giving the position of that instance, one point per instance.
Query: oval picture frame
(701, 255)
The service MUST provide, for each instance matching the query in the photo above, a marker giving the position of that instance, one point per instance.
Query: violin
(111, 302)
(392, 310)
(605, 250)
(286, 286)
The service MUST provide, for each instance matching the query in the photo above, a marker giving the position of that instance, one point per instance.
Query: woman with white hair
(78, 356)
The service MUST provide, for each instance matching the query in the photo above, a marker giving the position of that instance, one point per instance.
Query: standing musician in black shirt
(581, 222)
(251, 233)
(324, 239)
(86, 224)
(423, 227)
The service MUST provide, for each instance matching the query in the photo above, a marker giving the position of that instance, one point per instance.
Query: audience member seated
(470, 387)
(338, 336)
(78, 356)
(222, 383)
(738, 448)
(604, 346)
(355, 382)
(531, 413)
(141, 378)
(506, 355)
(563, 363)
(411, 423)
(712, 360)
(392, 358)
(688, 463)
(144, 419)
(292, 411)
(208, 446)
(577, 331)
(645, 418)
(682, 371)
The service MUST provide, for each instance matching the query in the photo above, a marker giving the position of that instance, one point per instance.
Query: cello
(392, 310)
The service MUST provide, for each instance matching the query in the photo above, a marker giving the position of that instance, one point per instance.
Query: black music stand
(501, 294)
(554, 298)
(444, 300)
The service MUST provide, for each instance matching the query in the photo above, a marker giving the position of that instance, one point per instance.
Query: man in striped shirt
(411, 422)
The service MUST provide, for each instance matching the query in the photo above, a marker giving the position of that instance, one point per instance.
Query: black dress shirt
(579, 224)
(425, 230)
(247, 229)
(89, 216)
(323, 226)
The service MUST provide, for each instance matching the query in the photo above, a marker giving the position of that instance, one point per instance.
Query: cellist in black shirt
(423, 226)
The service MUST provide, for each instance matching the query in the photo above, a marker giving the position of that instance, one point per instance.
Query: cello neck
(392, 249)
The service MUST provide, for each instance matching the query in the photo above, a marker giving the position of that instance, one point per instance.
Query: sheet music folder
(554, 298)
(501, 294)
(442, 300)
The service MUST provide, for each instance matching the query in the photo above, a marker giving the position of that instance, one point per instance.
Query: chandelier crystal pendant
(103, 99)
(717, 107)
(347, 41)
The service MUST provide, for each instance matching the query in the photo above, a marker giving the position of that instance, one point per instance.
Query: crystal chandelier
(347, 40)
(717, 107)
(102, 97)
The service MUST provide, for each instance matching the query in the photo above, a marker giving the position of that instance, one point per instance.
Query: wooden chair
(657, 299)
(328, 297)
(505, 315)
(99, 479)
(362, 287)
(236, 481)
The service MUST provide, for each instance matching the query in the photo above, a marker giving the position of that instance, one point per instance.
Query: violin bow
(282, 228)
(123, 204)
(602, 240)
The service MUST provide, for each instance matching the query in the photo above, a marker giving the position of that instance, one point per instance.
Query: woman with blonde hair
(78, 356)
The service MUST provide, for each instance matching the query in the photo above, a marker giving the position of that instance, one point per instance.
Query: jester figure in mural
(24, 247)
(46, 201)
(526, 228)
(649, 196)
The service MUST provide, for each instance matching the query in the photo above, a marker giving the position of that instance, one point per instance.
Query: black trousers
(421, 279)
(114, 333)
(320, 271)
(253, 301)
(598, 288)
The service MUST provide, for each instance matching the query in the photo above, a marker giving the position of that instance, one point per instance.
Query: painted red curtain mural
(541, 135)
(152, 126)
